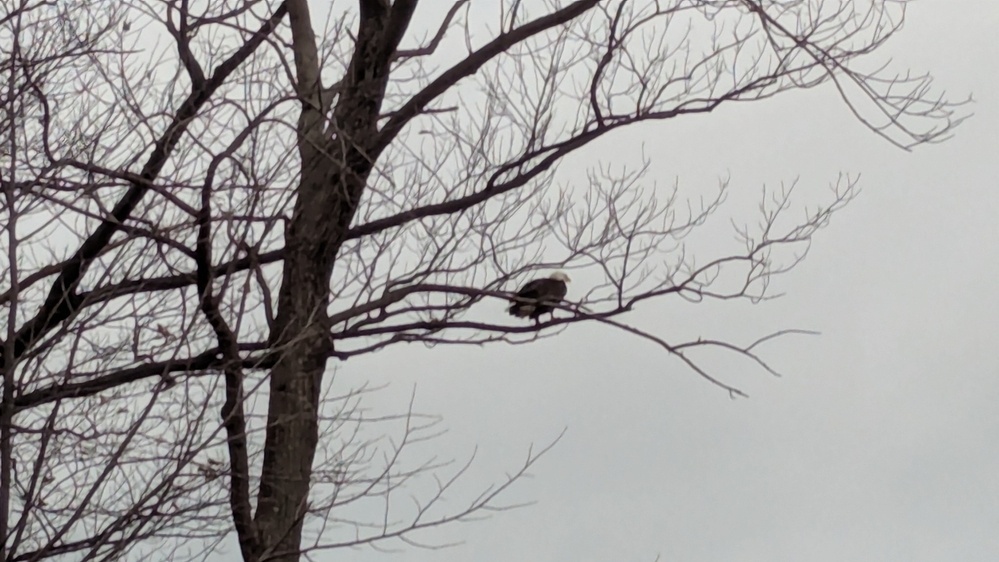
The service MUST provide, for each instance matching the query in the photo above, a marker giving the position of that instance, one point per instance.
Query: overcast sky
(879, 443)
(882, 440)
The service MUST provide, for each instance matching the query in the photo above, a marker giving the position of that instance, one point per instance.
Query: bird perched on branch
(540, 297)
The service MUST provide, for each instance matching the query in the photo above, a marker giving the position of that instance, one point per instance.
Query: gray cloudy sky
(882, 440)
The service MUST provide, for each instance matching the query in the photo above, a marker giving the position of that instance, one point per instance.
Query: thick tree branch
(255, 355)
(472, 64)
(435, 42)
(233, 416)
(63, 300)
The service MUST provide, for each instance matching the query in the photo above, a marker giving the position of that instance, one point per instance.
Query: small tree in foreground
(209, 205)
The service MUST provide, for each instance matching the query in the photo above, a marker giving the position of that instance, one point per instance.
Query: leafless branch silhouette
(209, 206)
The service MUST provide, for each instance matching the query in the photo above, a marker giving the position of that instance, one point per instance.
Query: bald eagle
(540, 297)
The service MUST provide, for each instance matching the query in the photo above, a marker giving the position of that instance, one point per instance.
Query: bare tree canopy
(208, 205)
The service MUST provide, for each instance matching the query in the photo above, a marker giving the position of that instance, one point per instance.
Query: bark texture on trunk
(336, 160)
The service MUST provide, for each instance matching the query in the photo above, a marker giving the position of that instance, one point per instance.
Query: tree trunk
(336, 161)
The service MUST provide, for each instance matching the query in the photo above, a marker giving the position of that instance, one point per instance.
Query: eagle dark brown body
(540, 297)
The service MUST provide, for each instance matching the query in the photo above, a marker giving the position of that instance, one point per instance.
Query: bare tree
(208, 206)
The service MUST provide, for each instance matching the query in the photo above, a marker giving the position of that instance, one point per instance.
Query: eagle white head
(560, 276)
